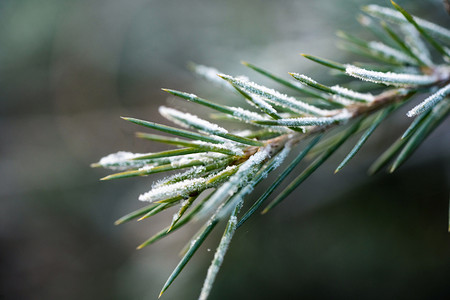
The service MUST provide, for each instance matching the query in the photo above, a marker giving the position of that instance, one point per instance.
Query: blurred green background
(69, 69)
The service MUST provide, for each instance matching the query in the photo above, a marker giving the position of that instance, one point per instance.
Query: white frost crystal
(121, 160)
(344, 115)
(275, 96)
(390, 78)
(263, 104)
(189, 120)
(245, 115)
(429, 102)
(341, 91)
(239, 179)
(228, 145)
(212, 75)
(182, 188)
(206, 158)
(192, 172)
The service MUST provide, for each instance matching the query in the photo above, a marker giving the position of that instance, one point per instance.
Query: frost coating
(117, 157)
(228, 145)
(387, 51)
(263, 173)
(220, 254)
(389, 78)
(305, 78)
(244, 133)
(311, 121)
(367, 97)
(182, 188)
(235, 204)
(342, 100)
(146, 168)
(266, 107)
(184, 205)
(122, 160)
(275, 96)
(245, 115)
(188, 120)
(192, 172)
(192, 96)
(334, 90)
(209, 157)
(429, 102)
(239, 179)
(280, 158)
(211, 74)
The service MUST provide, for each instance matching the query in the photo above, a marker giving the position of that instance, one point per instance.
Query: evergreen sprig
(220, 168)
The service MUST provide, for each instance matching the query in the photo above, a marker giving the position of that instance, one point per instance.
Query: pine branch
(228, 165)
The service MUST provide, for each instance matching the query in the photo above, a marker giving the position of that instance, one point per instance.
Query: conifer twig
(219, 168)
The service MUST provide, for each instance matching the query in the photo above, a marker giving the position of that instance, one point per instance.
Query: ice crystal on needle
(239, 179)
(390, 78)
(210, 74)
(430, 102)
(188, 120)
(274, 96)
(246, 115)
(121, 160)
(350, 94)
(182, 188)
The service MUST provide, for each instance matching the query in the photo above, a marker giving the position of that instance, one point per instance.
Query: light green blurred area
(69, 69)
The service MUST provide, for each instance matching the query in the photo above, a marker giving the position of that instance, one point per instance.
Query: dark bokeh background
(69, 69)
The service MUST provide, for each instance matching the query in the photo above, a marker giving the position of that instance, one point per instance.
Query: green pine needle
(160, 207)
(153, 170)
(335, 90)
(364, 137)
(279, 180)
(196, 243)
(414, 125)
(204, 102)
(311, 168)
(172, 130)
(202, 147)
(220, 253)
(402, 44)
(325, 62)
(169, 153)
(286, 83)
(185, 206)
(184, 220)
